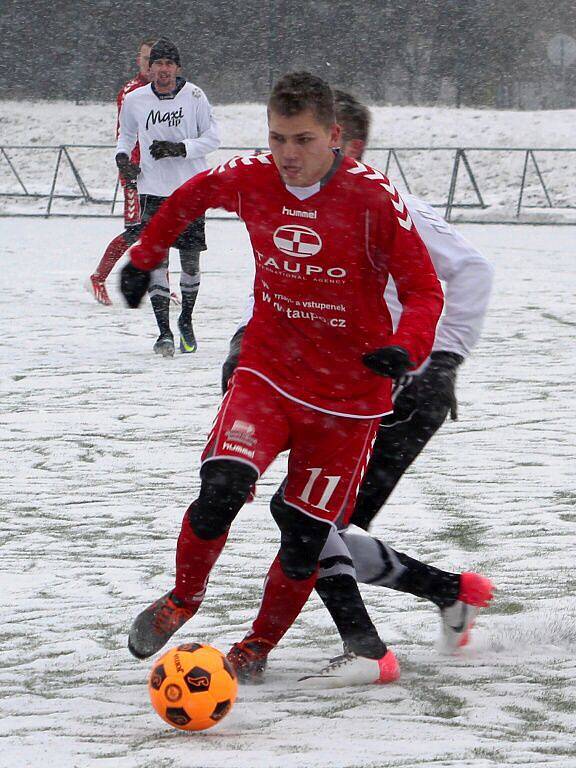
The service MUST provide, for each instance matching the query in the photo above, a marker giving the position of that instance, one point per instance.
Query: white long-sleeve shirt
(465, 274)
(185, 117)
(466, 278)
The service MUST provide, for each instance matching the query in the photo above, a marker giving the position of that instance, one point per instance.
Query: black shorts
(192, 239)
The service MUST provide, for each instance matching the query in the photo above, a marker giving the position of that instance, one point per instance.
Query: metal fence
(470, 184)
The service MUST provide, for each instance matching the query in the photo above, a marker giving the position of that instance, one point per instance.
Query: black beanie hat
(164, 49)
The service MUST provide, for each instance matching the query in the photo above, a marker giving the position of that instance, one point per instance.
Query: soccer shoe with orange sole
(151, 629)
(350, 669)
(249, 658)
(96, 286)
(457, 619)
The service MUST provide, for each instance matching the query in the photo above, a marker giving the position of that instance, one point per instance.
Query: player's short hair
(296, 92)
(352, 116)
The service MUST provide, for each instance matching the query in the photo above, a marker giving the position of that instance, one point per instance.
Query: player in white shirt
(172, 121)
(421, 407)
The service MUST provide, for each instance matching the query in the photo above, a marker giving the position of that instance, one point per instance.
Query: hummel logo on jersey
(301, 214)
(295, 240)
(172, 119)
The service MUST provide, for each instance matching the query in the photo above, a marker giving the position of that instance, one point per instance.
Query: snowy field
(101, 442)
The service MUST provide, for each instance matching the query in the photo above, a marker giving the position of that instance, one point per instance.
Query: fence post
(530, 154)
(51, 196)
(522, 184)
(388, 162)
(79, 180)
(541, 178)
(402, 174)
(115, 195)
(452, 189)
(14, 171)
(472, 179)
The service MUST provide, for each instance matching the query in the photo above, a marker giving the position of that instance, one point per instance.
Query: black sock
(161, 307)
(342, 598)
(441, 587)
(188, 302)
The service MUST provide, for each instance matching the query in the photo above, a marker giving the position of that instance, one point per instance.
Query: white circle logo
(295, 240)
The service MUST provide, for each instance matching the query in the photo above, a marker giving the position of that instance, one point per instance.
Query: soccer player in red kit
(317, 364)
(419, 410)
(119, 246)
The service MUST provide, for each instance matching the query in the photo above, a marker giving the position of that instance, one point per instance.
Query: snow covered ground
(100, 444)
(498, 174)
(62, 122)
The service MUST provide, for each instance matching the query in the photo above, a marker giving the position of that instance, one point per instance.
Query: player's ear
(335, 135)
(355, 148)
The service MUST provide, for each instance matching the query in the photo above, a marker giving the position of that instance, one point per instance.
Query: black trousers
(400, 439)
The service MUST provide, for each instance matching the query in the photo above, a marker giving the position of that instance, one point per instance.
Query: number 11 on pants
(329, 488)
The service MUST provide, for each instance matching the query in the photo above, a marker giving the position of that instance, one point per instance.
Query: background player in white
(172, 121)
(419, 410)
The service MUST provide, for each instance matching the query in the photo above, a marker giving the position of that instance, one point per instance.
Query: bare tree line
(491, 53)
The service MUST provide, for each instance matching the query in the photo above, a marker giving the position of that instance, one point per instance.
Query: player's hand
(160, 149)
(134, 283)
(393, 362)
(435, 387)
(129, 171)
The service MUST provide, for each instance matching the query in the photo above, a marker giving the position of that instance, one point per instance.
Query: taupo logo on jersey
(295, 240)
(300, 243)
(172, 119)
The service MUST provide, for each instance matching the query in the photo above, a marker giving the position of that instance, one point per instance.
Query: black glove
(393, 362)
(129, 171)
(435, 388)
(160, 149)
(134, 283)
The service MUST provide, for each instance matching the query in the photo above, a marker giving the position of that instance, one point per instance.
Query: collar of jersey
(180, 83)
(304, 193)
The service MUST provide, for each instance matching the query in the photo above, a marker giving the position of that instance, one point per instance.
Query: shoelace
(168, 615)
(246, 655)
(339, 661)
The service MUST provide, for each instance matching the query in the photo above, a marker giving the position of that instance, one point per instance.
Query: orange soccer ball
(193, 686)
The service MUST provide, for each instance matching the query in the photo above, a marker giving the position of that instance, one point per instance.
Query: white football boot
(458, 619)
(350, 669)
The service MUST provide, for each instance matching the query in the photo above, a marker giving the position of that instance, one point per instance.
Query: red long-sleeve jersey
(321, 268)
(131, 85)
